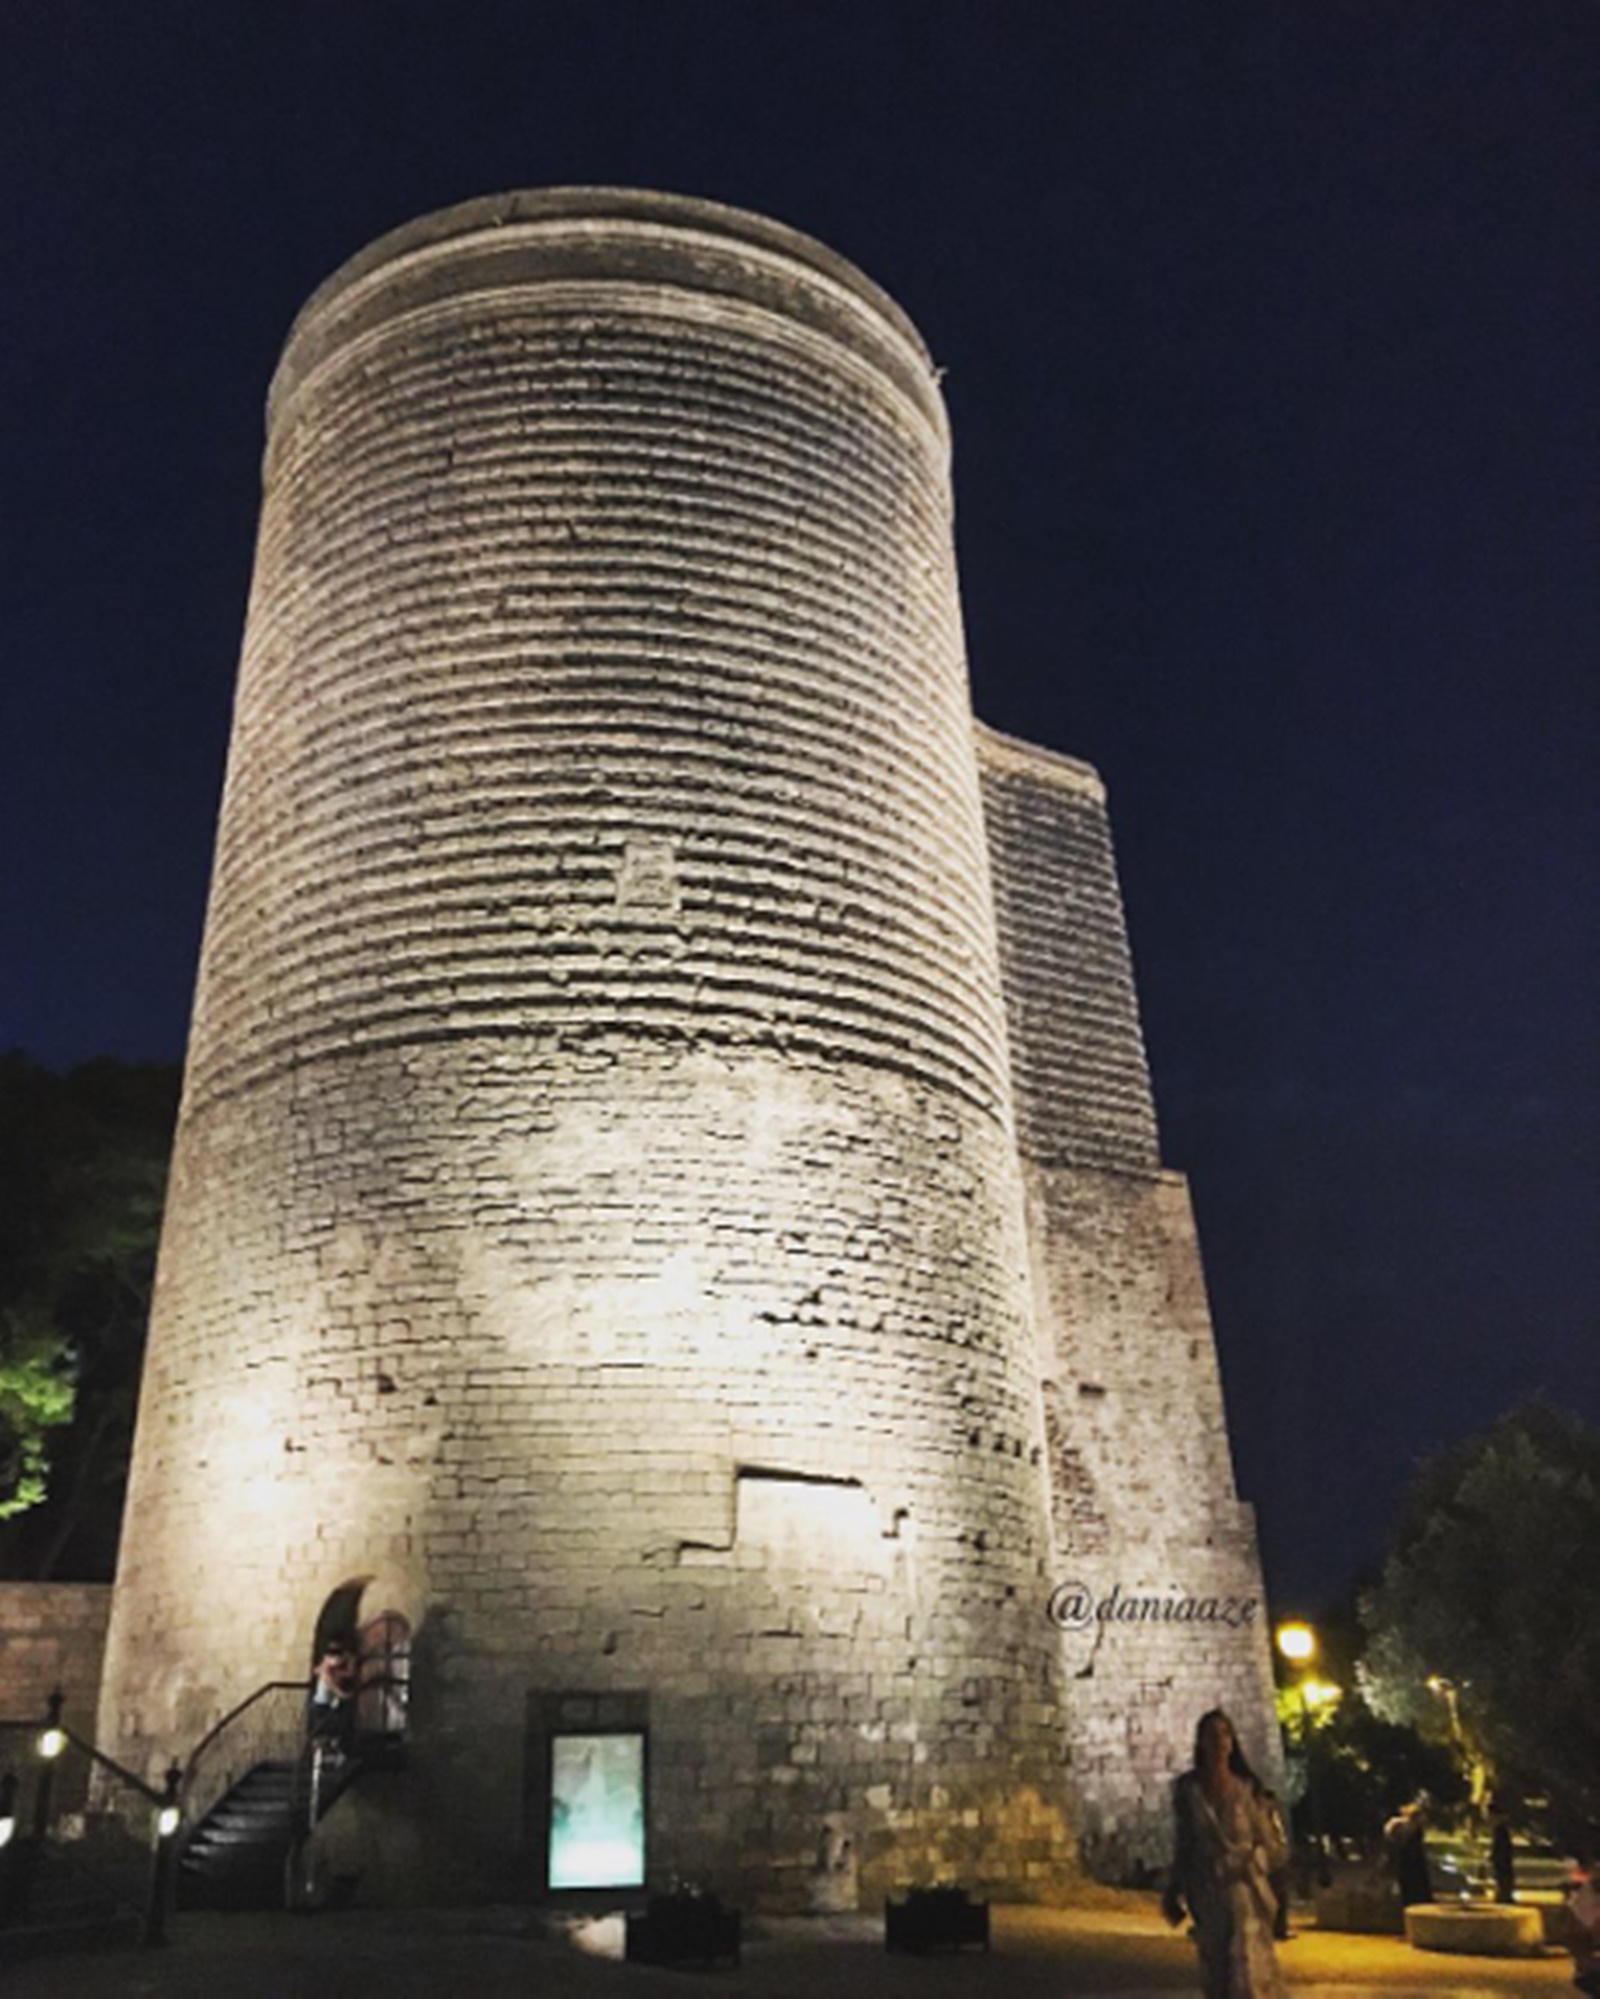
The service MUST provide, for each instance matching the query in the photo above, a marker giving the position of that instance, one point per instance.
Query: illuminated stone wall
(667, 1195)
(596, 1221)
(52, 1636)
(1143, 1498)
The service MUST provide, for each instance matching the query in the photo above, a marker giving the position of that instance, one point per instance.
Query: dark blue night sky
(1271, 346)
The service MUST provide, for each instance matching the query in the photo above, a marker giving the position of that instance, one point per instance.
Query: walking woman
(1230, 1840)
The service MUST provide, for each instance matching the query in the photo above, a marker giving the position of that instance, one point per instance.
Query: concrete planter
(1476, 1929)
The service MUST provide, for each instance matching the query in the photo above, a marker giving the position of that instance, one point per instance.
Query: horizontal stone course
(666, 1197)
(598, 1093)
(1082, 1085)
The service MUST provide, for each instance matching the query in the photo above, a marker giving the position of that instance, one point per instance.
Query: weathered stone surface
(597, 1100)
(1142, 1492)
(52, 1637)
(1078, 1065)
(598, 1229)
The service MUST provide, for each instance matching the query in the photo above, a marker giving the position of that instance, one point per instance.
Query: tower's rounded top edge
(597, 213)
(488, 212)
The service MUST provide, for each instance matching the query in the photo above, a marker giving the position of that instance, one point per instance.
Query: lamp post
(1446, 1690)
(1449, 1691)
(8, 1843)
(167, 1825)
(52, 1742)
(1298, 1644)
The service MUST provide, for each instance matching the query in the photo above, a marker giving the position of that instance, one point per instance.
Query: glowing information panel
(596, 1811)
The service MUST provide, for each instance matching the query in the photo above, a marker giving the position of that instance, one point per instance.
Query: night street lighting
(1297, 1643)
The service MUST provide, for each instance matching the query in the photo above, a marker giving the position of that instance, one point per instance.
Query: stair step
(249, 1822)
(223, 1839)
(230, 1859)
(259, 1866)
(235, 1857)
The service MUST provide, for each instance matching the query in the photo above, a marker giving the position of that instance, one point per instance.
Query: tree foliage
(37, 1394)
(83, 1163)
(1492, 1592)
(1362, 1767)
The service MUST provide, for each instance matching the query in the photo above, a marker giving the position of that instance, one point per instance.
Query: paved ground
(1123, 1950)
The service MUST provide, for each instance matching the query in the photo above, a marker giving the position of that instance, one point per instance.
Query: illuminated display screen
(597, 1811)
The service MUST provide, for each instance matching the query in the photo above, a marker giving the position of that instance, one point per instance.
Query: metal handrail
(227, 1721)
(95, 1862)
(117, 1769)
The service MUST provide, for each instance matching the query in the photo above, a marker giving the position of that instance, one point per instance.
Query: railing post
(52, 1741)
(8, 1845)
(169, 1818)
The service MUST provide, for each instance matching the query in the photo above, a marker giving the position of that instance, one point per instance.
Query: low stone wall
(52, 1635)
(1365, 1908)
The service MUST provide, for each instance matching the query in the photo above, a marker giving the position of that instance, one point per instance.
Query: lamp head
(1297, 1643)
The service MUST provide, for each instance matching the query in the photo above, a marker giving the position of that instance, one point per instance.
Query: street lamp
(1477, 1774)
(1446, 1690)
(168, 1822)
(52, 1745)
(1298, 1644)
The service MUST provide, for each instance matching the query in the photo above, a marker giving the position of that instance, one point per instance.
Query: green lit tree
(83, 1161)
(1360, 1768)
(37, 1392)
(1484, 1630)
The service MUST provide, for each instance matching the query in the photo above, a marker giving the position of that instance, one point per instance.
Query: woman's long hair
(1237, 1761)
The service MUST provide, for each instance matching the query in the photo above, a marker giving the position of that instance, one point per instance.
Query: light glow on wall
(597, 1811)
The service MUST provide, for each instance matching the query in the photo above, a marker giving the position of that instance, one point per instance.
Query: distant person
(333, 1693)
(1583, 1939)
(1406, 1839)
(1230, 1842)
(1280, 1883)
(1502, 1858)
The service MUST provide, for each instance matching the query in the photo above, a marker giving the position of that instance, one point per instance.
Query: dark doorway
(338, 1622)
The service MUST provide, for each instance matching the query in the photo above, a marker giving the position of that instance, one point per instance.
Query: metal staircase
(109, 1869)
(238, 1856)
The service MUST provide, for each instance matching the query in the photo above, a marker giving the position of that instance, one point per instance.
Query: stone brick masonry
(1142, 1491)
(598, 1229)
(52, 1636)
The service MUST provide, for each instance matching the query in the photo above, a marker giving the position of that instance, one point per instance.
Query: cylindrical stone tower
(595, 1236)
